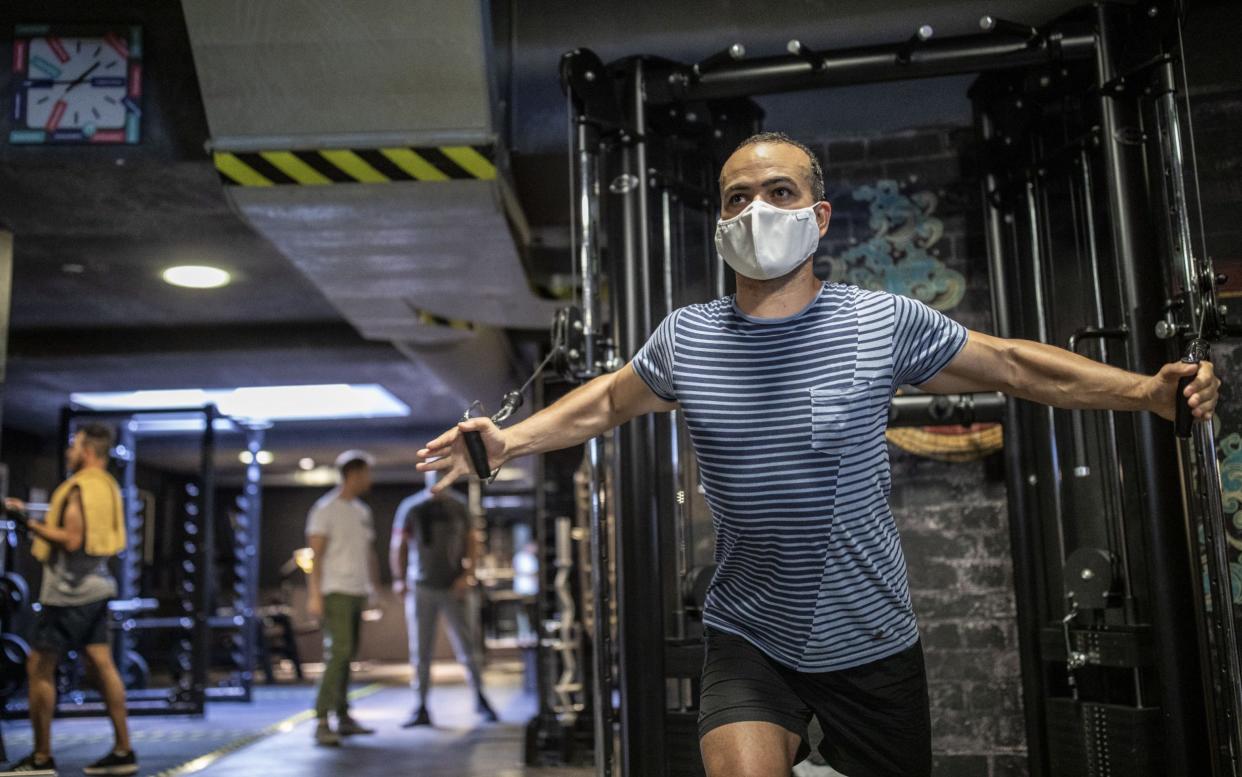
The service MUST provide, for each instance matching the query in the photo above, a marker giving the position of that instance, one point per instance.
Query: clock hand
(82, 77)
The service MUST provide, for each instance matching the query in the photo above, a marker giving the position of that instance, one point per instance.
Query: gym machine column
(585, 79)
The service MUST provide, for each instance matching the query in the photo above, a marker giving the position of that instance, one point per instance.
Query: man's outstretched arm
(1054, 376)
(588, 411)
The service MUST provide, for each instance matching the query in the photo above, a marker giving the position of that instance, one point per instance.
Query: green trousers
(342, 615)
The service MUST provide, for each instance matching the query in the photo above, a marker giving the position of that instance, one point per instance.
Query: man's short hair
(352, 466)
(817, 170)
(352, 461)
(97, 437)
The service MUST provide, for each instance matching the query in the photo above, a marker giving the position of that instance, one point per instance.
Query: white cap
(354, 455)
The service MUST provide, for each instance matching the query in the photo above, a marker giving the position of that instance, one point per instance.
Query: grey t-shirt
(436, 527)
(77, 578)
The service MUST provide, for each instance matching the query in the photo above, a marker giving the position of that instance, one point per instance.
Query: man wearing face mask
(785, 387)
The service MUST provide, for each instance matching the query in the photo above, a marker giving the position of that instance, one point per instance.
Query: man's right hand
(14, 505)
(447, 453)
(314, 607)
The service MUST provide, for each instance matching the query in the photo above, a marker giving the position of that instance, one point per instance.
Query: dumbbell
(137, 672)
(13, 654)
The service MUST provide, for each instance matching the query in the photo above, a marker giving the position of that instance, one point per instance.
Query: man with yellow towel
(83, 529)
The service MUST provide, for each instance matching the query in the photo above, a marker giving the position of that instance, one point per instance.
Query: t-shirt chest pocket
(837, 417)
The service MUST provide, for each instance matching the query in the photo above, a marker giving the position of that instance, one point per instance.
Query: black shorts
(875, 717)
(59, 629)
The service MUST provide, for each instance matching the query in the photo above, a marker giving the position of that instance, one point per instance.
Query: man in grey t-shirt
(74, 596)
(432, 560)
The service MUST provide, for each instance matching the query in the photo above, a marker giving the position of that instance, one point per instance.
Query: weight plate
(13, 654)
(14, 594)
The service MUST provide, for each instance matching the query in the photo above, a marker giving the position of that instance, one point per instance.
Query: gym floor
(272, 735)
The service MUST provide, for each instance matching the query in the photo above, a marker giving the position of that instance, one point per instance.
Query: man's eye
(736, 199)
(781, 191)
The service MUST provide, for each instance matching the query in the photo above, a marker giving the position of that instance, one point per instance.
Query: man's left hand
(461, 585)
(1203, 390)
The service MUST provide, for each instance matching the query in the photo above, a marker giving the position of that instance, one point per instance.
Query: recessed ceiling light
(264, 457)
(245, 457)
(196, 276)
(306, 464)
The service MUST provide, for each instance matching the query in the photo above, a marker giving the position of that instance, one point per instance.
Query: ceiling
(93, 226)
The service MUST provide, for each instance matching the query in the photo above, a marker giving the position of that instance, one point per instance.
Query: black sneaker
(28, 765)
(419, 718)
(348, 727)
(485, 710)
(114, 763)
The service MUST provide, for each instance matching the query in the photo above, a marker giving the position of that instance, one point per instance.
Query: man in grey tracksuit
(432, 561)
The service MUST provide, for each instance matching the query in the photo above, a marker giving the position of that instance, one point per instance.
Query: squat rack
(194, 618)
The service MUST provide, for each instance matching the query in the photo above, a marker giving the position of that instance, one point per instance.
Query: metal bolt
(1087, 574)
(578, 326)
(1153, 12)
(692, 116)
(1031, 480)
(925, 32)
(589, 75)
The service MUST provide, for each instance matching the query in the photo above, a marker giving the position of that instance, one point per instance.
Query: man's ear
(823, 214)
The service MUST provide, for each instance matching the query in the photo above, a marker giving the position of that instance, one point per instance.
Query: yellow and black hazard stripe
(355, 165)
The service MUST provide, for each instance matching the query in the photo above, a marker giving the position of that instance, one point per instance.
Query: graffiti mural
(1228, 359)
(900, 257)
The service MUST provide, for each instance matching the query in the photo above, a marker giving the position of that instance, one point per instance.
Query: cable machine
(1129, 664)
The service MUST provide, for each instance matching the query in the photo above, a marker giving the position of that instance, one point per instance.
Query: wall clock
(77, 84)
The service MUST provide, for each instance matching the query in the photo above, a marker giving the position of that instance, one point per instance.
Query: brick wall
(952, 517)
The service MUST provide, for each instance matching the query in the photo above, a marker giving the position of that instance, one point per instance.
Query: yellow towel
(104, 514)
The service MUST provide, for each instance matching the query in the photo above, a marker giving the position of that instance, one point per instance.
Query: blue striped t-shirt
(787, 417)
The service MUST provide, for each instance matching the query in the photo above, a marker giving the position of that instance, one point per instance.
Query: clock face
(76, 88)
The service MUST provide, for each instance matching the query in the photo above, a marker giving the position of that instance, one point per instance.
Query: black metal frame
(614, 119)
(196, 571)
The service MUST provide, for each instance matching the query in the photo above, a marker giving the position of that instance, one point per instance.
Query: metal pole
(1023, 533)
(681, 528)
(640, 551)
(1202, 476)
(1041, 318)
(585, 236)
(1170, 578)
(253, 492)
(868, 64)
(206, 556)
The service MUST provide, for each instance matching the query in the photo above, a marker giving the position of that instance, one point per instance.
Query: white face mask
(764, 242)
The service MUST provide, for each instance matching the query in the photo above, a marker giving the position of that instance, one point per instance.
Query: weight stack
(1088, 739)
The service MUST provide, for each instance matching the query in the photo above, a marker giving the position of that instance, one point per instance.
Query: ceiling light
(306, 464)
(245, 457)
(196, 276)
(259, 403)
(264, 457)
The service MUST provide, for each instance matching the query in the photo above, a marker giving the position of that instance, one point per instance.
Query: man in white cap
(345, 573)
